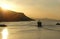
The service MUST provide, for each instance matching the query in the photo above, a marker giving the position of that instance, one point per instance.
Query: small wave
(52, 29)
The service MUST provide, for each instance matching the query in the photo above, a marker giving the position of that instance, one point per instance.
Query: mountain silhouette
(7, 16)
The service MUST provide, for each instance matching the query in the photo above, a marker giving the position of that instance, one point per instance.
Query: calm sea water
(29, 30)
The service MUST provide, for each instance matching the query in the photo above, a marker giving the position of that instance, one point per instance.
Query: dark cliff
(7, 16)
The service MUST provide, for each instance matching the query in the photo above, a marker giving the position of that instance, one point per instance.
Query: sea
(29, 30)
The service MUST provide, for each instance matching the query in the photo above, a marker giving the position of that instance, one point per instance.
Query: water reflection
(4, 33)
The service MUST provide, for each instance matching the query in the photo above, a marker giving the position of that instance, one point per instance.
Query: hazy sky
(36, 8)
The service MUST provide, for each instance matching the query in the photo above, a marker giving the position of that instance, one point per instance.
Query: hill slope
(13, 16)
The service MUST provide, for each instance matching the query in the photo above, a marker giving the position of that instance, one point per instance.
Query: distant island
(10, 16)
(47, 19)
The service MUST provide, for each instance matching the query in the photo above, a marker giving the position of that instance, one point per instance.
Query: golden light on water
(5, 33)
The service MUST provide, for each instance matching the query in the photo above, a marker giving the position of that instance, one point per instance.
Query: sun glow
(5, 6)
(11, 6)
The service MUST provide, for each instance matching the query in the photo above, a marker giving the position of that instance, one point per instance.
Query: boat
(39, 23)
(3, 25)
(57, 23)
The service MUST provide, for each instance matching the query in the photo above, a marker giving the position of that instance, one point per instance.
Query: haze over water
(29, 30)
(34, 9)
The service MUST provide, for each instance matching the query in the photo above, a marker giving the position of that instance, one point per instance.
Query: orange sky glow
(34, 9)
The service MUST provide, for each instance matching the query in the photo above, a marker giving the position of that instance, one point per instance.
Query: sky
(36, 8)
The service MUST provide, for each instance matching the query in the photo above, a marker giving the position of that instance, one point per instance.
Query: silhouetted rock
(57, 23)
(13, 16)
